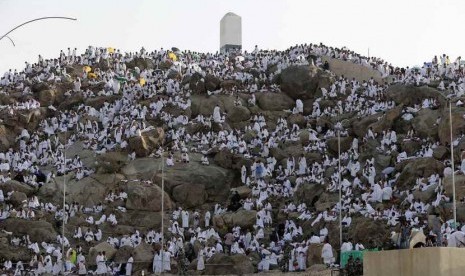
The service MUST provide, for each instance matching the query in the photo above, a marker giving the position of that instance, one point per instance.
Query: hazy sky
(404, 32)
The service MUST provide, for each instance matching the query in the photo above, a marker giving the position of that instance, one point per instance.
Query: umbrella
(87, 69)
(240, 58)
(174, 49)
(111, 50)
(172, 56)
(91, 75)
(388, 170)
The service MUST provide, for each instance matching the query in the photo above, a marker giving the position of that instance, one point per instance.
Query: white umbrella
(240, 58)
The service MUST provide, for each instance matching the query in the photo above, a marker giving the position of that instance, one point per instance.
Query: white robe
(217, 114)
(167, 261)
(157, 264)
(200, 260)
(327, 253)
(185, 219)
(129, 266)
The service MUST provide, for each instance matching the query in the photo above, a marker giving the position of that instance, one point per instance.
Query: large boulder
(388, 120)
(146, 143)
(243, 218)
(221, 264)
(190, 195)
(47, 97)
(111, 162)
(110, 252)
(458, 124)
(459, 186)
(228, 160)
(309, 193)
(7, 138)
(424, 123)
(212, 83)
(139, 145)
(141, 63)
(314, 254)
(217, 181)
(274, 101)
(13, 185)
(146, 197)
(88, 191)
(140, 219)
(38, 230)
(238, 114)
(414, 168)
(410, 94)
(303, 82)
(196, 83)
(326, 200)
(18, 199)
(365, 230)
(346, 143)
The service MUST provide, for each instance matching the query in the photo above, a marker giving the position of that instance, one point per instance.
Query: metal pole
(162, 209)
(453, 166)
(64, 203)
(340, 186)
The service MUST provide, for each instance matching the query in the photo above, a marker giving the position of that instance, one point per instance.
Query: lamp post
(33, 20)
(339, 175)
(453, 166)
(64, 204)
(338, 127)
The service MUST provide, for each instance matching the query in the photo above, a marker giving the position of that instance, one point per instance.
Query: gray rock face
(146, 197)
(221, 264)
(303, 82)
(38, 230)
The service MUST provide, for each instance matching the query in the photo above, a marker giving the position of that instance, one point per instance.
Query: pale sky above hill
(403, 32)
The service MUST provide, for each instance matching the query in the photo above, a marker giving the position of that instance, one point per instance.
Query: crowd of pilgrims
(39, 155)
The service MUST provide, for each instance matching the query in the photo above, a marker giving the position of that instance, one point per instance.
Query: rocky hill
(66, 94)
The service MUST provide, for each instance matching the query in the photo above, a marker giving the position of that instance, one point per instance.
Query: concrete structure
(430, 261)
(230, 32)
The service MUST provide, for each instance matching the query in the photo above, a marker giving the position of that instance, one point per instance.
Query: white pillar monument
(230, 32)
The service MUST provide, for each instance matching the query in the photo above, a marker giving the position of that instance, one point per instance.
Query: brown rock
(38, 230)
(414, 168)
(365, 229)
(47, 97)
(110, 252)
(243, 218)
(274, 101)
(190, 195)
(410, 94)
(303, 82)
(146, 197)
(221, 264)
(18, 199)
(459, 186)
(424, 123)
(238, 114)
(458, 124)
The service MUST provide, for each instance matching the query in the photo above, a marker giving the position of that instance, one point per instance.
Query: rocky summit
(198, 163)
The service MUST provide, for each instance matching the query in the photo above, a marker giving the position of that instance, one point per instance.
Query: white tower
(230, 32)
